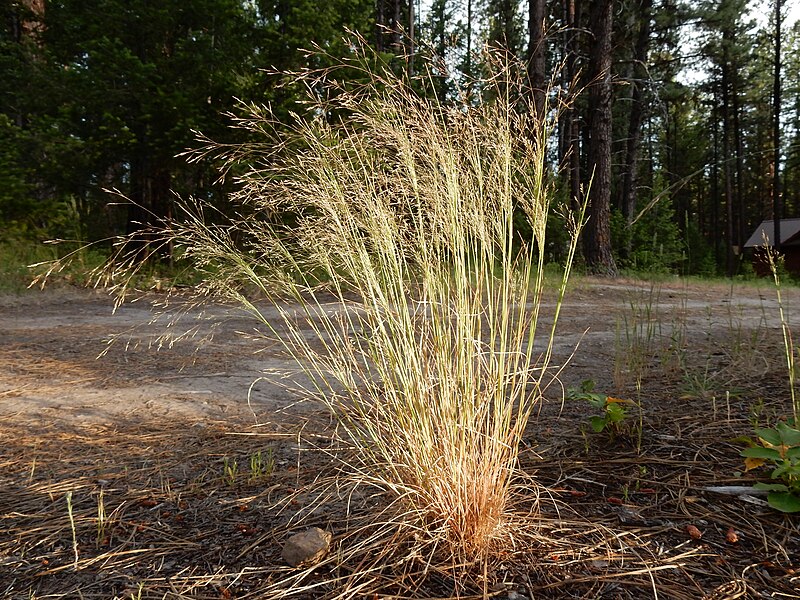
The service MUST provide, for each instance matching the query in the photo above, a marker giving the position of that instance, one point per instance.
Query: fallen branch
(735, 490)
(745, 493)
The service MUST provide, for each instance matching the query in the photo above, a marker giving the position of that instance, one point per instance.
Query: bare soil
(162, 433)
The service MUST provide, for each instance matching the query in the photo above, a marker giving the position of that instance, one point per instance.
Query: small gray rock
(307, 548)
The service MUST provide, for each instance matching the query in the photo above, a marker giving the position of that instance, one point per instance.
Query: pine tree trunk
(150, 206)
(714, 192)
(380, 24)
(738, 194)
(727, 152)
(411, 34)
(597, 243)
(536, 57)
(776, 130)
(396, 20)
(569, 129)
(469, 38)
(630, 177)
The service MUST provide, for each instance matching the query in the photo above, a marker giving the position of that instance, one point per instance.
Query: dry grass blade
(392, 222)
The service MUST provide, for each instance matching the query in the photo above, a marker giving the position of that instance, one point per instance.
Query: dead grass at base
(177, 525)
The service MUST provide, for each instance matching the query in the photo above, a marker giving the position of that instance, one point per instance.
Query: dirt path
(56, 363)
(199, 463)
(51, 343)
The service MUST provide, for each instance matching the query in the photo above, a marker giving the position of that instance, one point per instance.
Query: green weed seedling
(779, 448)
(614, 411)
(138, 594)
(102, 519)
(229, 471)
(262, 465)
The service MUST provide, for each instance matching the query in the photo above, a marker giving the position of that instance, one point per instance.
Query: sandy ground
(149, 429)
(56, 363)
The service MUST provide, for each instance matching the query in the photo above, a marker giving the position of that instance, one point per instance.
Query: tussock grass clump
(384, 227)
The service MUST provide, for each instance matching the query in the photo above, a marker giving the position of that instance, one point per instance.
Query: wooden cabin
(789, 246)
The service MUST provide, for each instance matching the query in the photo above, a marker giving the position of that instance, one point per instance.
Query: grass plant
(639, 340)
(68, 498)
(20, 256)
(102, 519)
(230, 470)
(15, 256)
(262, 465)
(383, 226)
(788, 344)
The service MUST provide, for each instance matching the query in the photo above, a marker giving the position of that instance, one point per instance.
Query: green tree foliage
(14, 187)
(791, 177)
(137, 78)
(505, 25)
(105, 94)
(443, 37)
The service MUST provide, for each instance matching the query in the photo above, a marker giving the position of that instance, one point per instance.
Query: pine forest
(683, 114)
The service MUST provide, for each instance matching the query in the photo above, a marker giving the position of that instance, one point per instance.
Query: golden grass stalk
(424, 340)
(773, 258)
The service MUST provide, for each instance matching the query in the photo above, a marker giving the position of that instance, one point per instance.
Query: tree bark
(150, 207)
(570, 125)
(411, 39)
(630, 177)
(776, 130)
(388, 25)
(396, 20)
(380, 24)
(469, 38)
(738, 194)
(597, 243)
(536, 57)
(728, 179)
(728, 146)
(714, 191)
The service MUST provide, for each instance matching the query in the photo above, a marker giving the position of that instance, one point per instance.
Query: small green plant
(614, 410)
(642, 474)
(72, 527)
(638, 336)
(756, 412)
(262, 466)
(702, 384)
(229, 470)
(698, 384)
(102, 519)
(780, 448)
(138, 594)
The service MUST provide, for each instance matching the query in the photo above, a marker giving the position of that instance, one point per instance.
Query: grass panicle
(383, 225)
(788, 343)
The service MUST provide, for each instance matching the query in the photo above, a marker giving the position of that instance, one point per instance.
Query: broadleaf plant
(613, 410)
(780, 448)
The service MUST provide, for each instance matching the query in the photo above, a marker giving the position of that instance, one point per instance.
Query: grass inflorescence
(391, 220)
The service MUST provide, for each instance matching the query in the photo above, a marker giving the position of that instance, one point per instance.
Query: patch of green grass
(15, 258)
(22, 260)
